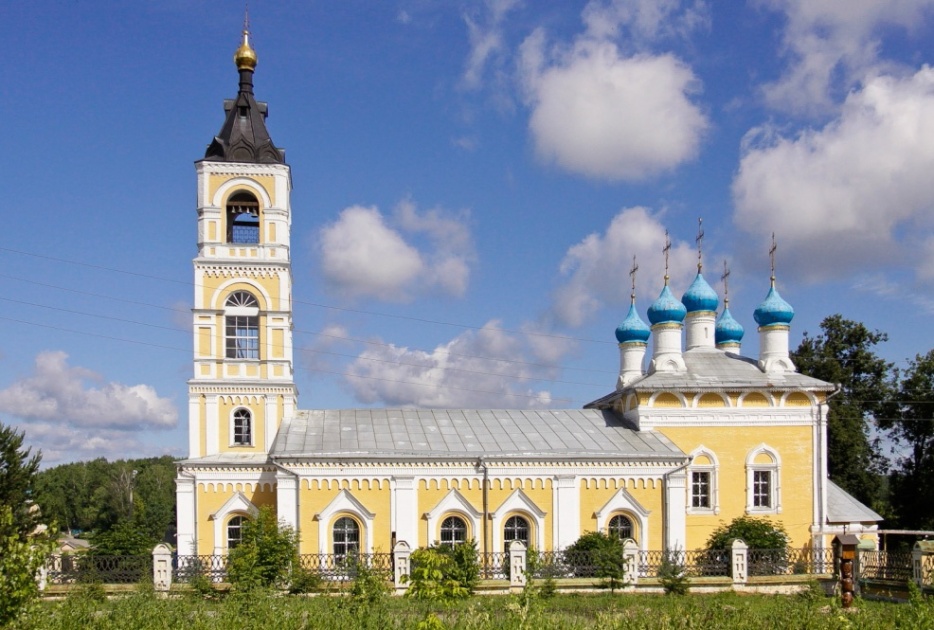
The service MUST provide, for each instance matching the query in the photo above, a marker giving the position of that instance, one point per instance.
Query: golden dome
(245, 57)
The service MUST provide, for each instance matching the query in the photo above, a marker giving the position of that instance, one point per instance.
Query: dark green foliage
(605, 553)
(911, 424)
(124, 539)
(844, 353)
(757, 533)
(18, 470)
(265, 556)
(303, 581)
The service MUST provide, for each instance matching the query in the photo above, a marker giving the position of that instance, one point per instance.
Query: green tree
(25, 542)
(910, 421)
(844, 354)
(265, 555)
(18, 469)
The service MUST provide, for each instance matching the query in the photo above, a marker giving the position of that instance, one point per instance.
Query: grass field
(143, 610)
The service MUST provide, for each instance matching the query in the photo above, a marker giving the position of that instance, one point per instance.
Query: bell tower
(242, 384)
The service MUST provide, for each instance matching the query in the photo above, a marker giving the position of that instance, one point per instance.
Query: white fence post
(739, 561)
(631, 555)
(400, 555)
(517, 564)
(162, 567)
(917, 564)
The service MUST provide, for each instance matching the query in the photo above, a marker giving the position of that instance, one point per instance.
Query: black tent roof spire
(243, 137)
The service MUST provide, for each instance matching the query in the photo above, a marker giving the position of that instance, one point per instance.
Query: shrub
(432, 577)
(604, 553)
(758, 533)
(466, 567)
(303, 581)
(767, 540)
(368, 585)
(265, 555)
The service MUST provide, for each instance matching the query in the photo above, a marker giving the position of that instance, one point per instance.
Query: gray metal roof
(713, 369)
(466, 433)
(842, 507)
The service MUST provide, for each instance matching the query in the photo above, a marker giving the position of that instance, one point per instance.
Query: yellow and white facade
(700, 436)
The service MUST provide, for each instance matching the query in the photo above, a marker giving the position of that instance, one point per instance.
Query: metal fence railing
(330, 566)
(885, 565)
(85, 568)
(494, 565)
(879, 565)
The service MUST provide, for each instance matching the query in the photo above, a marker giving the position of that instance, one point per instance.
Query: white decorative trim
(241, 182)
(453, 504)
(775, 485)
(724, 398)
(624, 503)
(519, 503)
(221, 290)
(344, 503)
(714, 469)
(236, 505)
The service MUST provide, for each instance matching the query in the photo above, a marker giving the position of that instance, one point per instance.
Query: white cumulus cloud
(366, 254)
(74, 396)
(489, 367)
(852, 195)
(604, 114)
(596, 269)
(832, 45)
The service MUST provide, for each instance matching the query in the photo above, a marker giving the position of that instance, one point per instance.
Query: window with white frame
(620, 526)
(763, 480)
(516, 528)
(346, 536)
(242, 427)
(453, 531)
(235, 531)
(703, 497)
(241, 323)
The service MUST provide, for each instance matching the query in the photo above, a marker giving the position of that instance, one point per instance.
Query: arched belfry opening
(243, 218)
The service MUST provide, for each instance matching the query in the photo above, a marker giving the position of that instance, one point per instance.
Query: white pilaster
(287, 498)
(186, 538)
(676, 510)
(567, 503)
(405, 501)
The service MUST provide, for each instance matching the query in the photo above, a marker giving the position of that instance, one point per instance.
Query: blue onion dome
(774, 310)
(728, 330)
(700, 296)
(633, 328)
(667, 309)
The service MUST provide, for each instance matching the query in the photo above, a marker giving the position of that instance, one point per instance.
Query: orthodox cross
(725, 278)
(632, 274)
(665, 250)
(772, 258)
(698, 240)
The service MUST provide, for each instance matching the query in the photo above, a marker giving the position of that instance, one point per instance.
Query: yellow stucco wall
(731, 445)
(595, 494)
(373, 494)
(211, 497)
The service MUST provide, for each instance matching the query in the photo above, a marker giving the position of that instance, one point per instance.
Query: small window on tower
(242, 218)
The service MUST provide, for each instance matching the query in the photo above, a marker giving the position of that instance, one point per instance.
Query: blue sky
(471, 182)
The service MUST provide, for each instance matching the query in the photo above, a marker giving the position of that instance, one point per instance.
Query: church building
(693, 435)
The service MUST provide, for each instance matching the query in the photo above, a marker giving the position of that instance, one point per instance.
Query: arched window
(242, 427)
(453, 531)
(763, 480)
(242, 218)
(516, 528)
(235, 531)
(620, 527)
(242, 326)
(346, 537)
